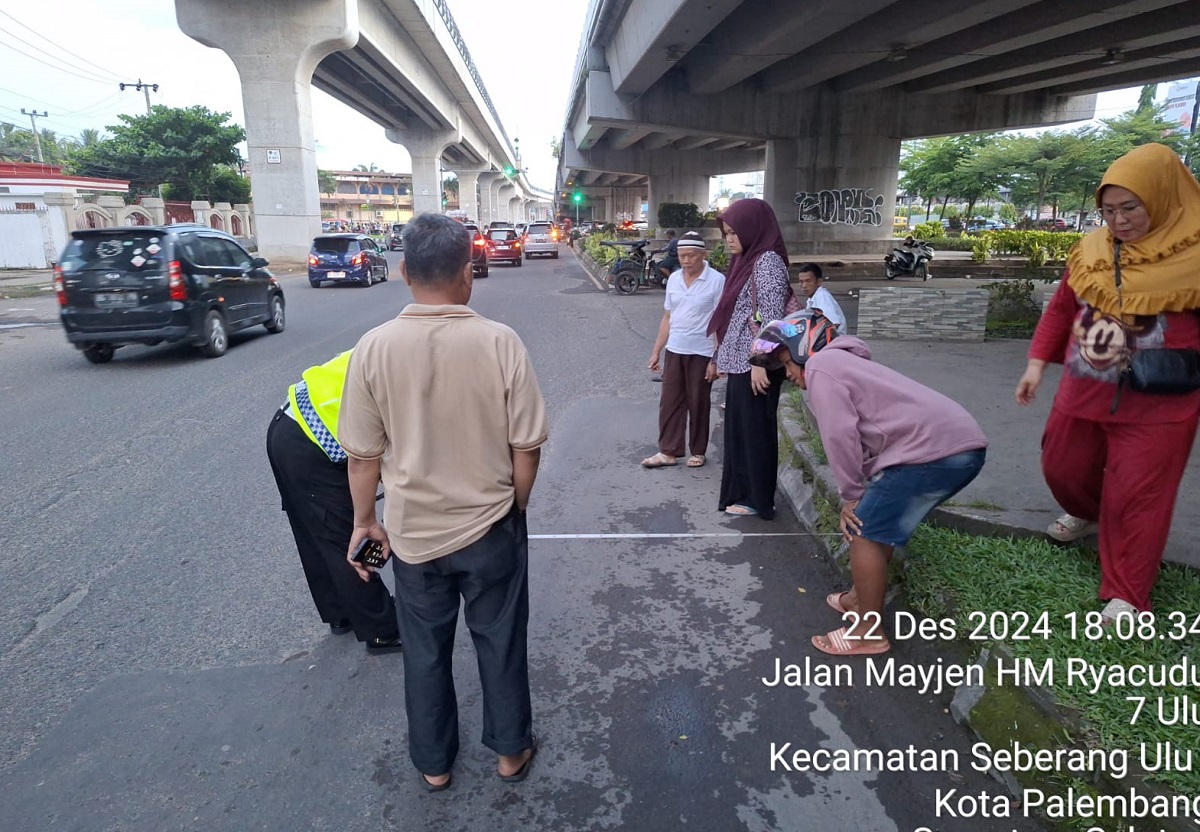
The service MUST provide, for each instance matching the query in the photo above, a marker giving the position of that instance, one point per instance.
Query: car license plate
(539, 239)
(116, 300)
(503, 248)
(336, 274)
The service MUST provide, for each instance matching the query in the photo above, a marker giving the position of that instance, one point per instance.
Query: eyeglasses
(1123, 210)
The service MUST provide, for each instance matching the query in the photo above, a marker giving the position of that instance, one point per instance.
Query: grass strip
(950, 574)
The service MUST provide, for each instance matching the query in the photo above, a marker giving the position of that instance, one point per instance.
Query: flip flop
(659, 460)
(834, 600)
(739, 510)
(695, 461)
(523, 772)
(836, 644)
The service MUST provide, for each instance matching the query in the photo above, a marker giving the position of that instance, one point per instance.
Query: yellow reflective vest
(317, 400)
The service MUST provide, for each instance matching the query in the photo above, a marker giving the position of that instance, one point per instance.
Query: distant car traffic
(541, 238)
(396, 237)
(985, 225)
(156, 284)
(479, 250)
(504, 245)
(346, 258)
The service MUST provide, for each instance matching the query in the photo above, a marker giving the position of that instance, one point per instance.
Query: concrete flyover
(820, 94)
(401, 63)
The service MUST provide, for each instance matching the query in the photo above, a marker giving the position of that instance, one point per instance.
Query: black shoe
(379, 646)
(340, 628)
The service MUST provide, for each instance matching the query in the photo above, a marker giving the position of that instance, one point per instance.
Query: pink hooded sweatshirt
(871, 417)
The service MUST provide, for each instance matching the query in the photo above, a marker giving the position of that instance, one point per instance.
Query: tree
(372, 169)
(556, 147)
(326, 182)
(180, 146)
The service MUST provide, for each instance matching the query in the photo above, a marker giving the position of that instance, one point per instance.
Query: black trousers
(316, 496)
(751, 458)
(491, 576)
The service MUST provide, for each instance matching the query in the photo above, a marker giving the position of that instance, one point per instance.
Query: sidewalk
(1010, 496)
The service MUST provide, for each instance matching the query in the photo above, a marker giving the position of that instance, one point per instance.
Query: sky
(78, 51)
(67, 57)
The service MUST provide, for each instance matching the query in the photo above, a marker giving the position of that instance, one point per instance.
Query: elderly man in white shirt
(687, 375)
(812, 284)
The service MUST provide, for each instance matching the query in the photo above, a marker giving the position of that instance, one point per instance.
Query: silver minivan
(541, 238)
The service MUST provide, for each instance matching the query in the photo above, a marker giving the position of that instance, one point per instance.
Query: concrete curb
(996, 714)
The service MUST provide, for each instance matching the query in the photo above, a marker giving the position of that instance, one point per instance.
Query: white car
(541, 238)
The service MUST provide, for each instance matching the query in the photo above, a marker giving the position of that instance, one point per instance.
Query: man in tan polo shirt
(443, 405)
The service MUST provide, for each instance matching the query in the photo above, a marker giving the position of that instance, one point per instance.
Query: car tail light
(516, 243)
(313, 260)
(359, 259)
(60, 286)
(481, 242)
(554, 234)
(175, 282)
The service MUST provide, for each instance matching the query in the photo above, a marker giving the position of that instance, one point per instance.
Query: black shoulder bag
(1168, 372)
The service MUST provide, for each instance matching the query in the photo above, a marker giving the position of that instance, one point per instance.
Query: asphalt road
(163, 668)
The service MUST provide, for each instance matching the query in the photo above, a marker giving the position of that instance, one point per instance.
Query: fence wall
(908, 314)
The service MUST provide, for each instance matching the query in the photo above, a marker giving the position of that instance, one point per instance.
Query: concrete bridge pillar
(834, 188)
(506, 194)
(276, 45)
(494, 197)
(468, 196)
(426, 148)
(675, 187)
(487, 196)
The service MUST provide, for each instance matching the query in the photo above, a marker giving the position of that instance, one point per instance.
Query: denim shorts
(898, 498)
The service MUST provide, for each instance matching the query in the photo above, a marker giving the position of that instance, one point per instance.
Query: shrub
(679, 215)
(604, 255)
(718, 257)
(929, 231)
(1013, 308)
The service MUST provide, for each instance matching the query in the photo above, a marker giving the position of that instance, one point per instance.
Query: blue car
(346, 258)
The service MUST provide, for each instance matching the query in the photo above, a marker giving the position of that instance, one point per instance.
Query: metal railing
(444, 10)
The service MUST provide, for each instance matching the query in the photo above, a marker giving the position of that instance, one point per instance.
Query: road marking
(649, 536)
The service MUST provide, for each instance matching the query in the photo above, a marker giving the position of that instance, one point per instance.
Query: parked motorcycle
(910, 259)
(634, 269)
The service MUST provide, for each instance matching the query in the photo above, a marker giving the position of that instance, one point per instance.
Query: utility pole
(146, 88)
(141, 87)
(34, 115)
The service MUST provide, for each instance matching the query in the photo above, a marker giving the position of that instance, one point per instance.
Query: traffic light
(509, 170)
(577, 197)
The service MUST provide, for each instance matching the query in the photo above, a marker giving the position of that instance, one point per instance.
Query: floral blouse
(771, 277)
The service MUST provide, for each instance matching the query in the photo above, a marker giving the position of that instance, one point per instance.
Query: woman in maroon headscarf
(756, 291)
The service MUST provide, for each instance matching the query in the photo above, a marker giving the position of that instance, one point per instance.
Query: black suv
(149, 284)
(479, 247)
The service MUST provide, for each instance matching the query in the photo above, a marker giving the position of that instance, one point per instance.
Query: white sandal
(1069, 528)
(1117, 608)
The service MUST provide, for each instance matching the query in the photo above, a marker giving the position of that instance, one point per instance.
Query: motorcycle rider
(667, 266)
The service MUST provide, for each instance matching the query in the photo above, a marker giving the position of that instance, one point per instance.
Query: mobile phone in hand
(369, 553)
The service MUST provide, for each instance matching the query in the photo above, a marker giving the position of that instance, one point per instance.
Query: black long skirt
(751, 454)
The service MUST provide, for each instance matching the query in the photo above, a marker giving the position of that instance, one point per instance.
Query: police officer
(310, 471)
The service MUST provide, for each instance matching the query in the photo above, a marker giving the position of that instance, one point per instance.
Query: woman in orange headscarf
(1113, 456)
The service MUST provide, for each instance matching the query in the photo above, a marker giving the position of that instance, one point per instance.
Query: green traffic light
(509, 170)
(577, 197)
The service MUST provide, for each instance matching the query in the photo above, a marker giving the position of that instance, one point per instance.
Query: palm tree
(89, 137)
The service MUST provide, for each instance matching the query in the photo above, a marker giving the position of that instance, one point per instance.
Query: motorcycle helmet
(803, 333)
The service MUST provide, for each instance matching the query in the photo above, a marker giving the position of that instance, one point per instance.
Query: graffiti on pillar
(845, 206)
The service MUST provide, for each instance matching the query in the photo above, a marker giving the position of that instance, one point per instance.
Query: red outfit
(1120, 468)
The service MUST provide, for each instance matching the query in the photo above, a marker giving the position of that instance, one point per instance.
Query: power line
(57, 46)
(93, 78)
